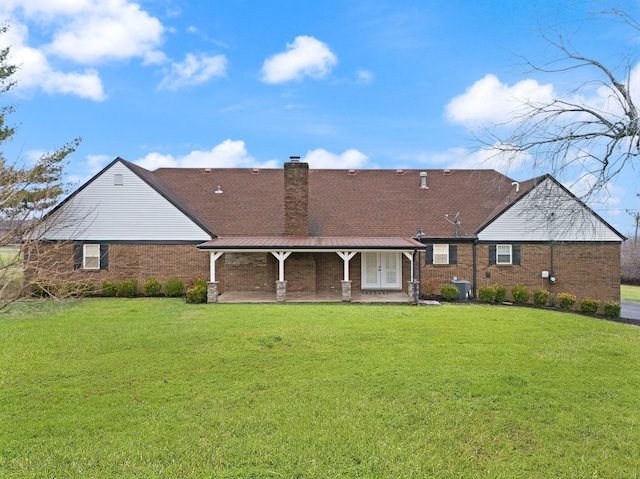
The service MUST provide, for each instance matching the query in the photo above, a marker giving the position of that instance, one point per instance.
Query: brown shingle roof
(369, 203)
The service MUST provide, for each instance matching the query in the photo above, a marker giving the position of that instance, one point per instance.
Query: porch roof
(281, 243)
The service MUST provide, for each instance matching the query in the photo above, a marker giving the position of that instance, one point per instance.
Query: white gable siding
(548, 213)
(132, 211)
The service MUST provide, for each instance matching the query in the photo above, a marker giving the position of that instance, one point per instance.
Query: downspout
(475, 270)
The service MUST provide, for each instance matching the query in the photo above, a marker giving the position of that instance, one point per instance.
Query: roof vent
(255, 171)
(446, 172)
(218, 190)
(517, 185)
(207, 171)
(351, 172)
(423, 180)
(399, 172)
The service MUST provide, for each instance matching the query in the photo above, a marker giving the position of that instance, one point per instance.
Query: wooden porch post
(346, 282)
(281, 284)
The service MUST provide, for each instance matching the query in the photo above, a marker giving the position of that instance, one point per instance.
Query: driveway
(630, 310)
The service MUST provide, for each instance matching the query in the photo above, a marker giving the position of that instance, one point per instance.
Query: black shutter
(492, 254)
(515, 250)
(104, 256)
(429, 254)
(453, 254)
(77, 256)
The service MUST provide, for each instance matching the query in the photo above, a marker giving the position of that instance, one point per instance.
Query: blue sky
(343, 84)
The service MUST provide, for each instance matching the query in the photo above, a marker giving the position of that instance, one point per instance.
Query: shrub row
(128, 288)
(497, 294)
(79, 289)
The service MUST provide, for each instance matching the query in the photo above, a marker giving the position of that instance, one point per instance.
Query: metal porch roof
(311, 243)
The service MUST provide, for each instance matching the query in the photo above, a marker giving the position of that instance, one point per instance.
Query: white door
(381, 271)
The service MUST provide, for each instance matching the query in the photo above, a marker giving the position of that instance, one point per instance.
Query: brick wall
(126, 261)
(591, 269)
(433, 276)
(248, 272)
(582, 269)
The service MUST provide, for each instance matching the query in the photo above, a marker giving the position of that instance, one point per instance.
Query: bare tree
(593, 132)
(27, 192)
(630, 262)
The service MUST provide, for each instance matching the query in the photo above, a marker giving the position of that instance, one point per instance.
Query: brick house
(345, 232)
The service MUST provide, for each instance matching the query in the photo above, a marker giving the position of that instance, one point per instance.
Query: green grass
(630, 293)
(156, 388)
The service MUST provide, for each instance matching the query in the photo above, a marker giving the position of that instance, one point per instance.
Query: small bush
(520, 294)
(42, 289)
(448, 292)
(198, 292)
(541, 297)
(612, 309)
(86, 288)
(487, 294)
(152, 287)
(589, 305)
(174, 288)
(79, 289)
(108, 288)
(501, 293)
(127, 288)
(566, 300)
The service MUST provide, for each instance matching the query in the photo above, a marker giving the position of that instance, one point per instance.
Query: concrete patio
(391, 297)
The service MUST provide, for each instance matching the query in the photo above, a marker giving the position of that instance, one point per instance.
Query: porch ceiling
(313, 243)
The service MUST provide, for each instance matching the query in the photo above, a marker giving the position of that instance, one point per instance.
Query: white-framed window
(504, 254)
(440, 254)
(91, 256)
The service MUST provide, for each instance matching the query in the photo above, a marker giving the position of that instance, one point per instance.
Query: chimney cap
(294, 158)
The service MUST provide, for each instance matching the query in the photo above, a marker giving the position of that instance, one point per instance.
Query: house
(342, 232)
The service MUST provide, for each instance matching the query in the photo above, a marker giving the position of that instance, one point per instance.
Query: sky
(341, 83)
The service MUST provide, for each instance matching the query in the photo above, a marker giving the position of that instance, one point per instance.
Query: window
(91, 256)
(440, 254)
(504, 254)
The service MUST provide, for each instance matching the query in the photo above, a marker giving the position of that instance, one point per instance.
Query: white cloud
(228, 154)
(108, 30)
(508, 163)
(320, 158)
(34, 70)
(194, 70)
(490, 101)
(306, 56)
(365, 77)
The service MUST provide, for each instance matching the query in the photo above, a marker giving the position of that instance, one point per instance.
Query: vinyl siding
(548, 213)
(133, 211)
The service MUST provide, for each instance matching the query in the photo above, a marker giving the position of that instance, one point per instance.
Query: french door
(381, 270)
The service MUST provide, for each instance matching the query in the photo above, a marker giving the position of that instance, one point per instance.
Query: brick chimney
(296, 198)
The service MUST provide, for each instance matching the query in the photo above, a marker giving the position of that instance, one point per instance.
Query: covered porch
(378, 279)
(359, 297)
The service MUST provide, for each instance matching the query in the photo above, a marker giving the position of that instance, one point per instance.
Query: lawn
(157, 388)
(630, 293)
